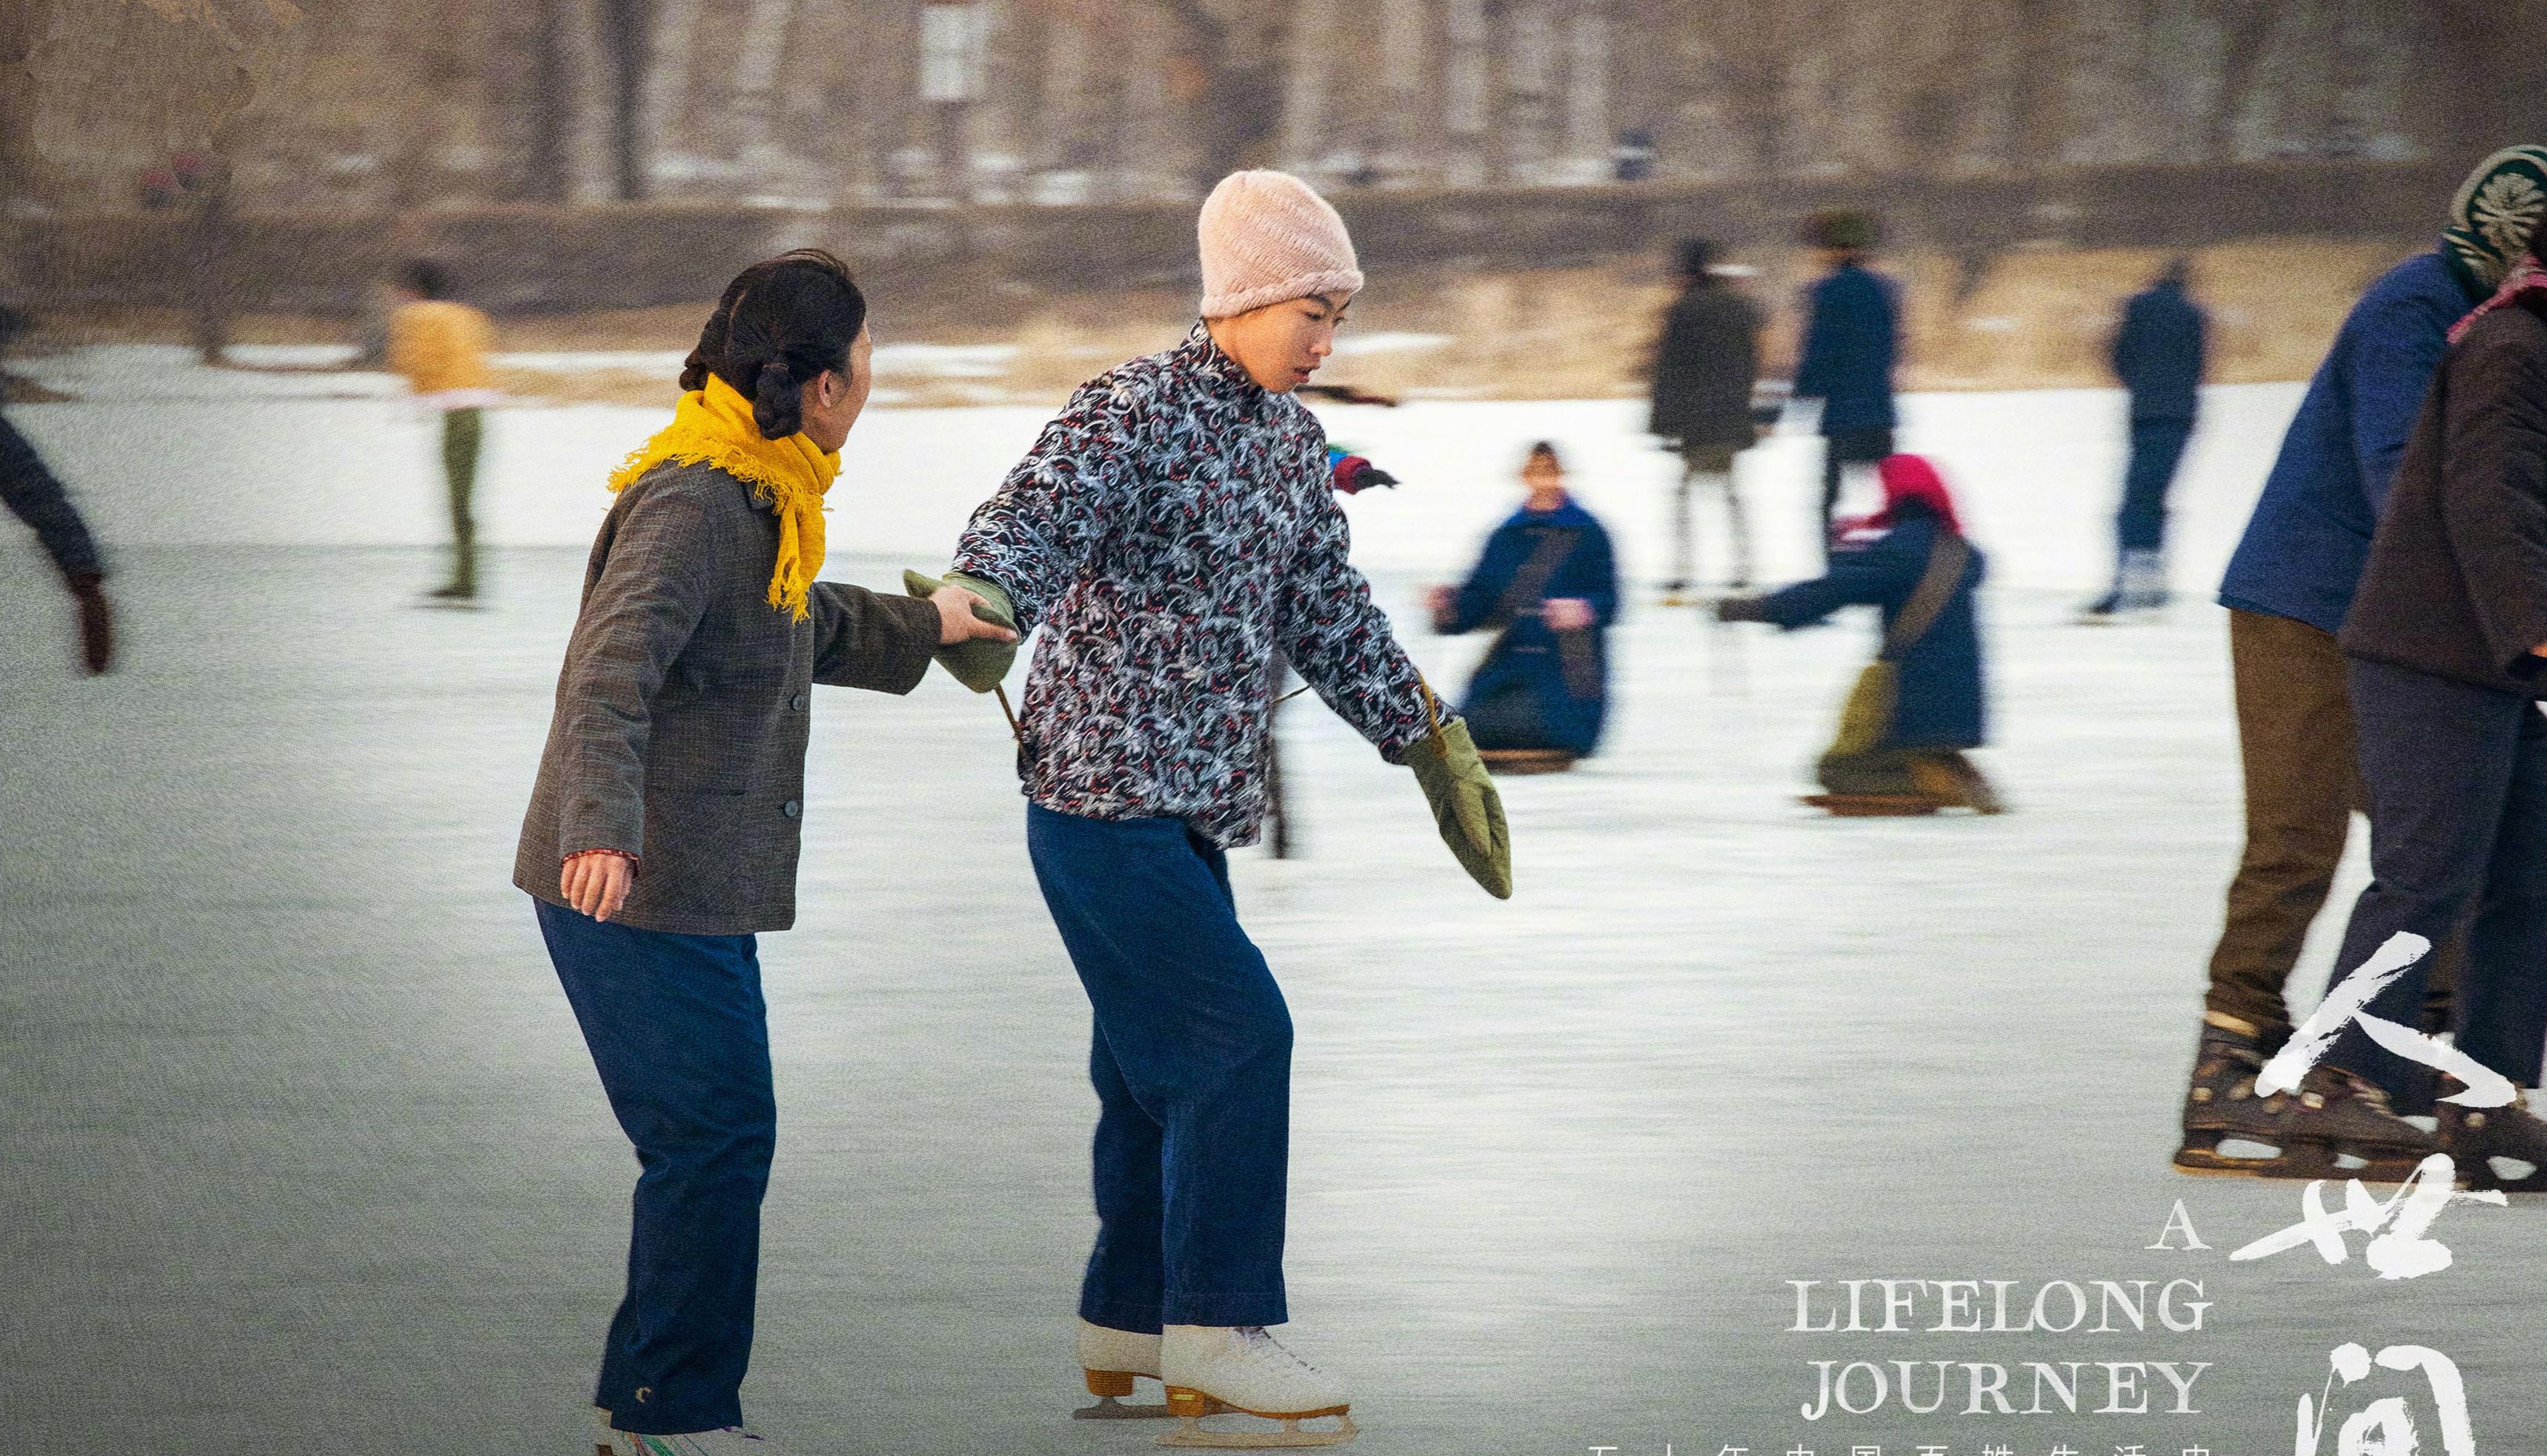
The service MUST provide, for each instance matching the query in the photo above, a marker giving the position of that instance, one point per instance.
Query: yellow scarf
(714, 426)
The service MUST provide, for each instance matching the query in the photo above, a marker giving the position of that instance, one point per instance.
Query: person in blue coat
(2157, 354)
(2287, 588)
(1548, 581)
(1912, 760)
(1852, 333)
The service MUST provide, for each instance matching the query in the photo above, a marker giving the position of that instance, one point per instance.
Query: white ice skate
(1210, 1370)
(1111, 1359)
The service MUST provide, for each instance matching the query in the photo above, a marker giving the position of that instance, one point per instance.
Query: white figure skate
(1111, 1359)
(1210, 1370)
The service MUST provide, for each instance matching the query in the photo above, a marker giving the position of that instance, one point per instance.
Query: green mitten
(1465, 805)
(980, 664)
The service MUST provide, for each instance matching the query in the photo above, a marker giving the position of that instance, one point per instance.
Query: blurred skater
(1705, 368)
(2157, 354)
(1548, 582)
(1171, 529)
(1918, 706)
(2445, 651)
(34, 495)
(441, 347)
(2287, 589)
(1851, 331)
(664, 830)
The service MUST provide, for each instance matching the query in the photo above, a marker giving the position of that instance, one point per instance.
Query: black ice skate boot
(2473, 1136)
(2337, 1114)
(2220, 1104)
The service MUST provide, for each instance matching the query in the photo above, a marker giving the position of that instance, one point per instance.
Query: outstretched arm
(1033, 535)
(1340, 643)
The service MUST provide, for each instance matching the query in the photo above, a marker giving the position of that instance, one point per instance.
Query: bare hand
(596, 881)
(956, 622)
(1565, 614)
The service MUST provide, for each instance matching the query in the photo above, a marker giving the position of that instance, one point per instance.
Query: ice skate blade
(1107, 1408)
(2300, 1162)
(1190, 1407)
(1873, 805)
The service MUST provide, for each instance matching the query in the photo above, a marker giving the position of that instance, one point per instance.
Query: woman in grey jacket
(663, 831)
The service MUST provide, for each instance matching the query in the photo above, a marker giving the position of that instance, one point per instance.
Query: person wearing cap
(1170, 531)
(2287, 589)
(1852, 333)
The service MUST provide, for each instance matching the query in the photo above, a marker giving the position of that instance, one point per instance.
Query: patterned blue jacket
(1169, 531)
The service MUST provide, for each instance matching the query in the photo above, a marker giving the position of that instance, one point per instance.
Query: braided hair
(781, 324)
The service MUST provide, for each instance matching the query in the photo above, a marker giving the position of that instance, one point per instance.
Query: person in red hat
(1919, 705)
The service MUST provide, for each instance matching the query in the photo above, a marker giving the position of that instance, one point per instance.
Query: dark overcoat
(1705, 368)
(2457, 581)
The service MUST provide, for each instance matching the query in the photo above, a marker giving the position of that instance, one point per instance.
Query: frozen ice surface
(303, 1150)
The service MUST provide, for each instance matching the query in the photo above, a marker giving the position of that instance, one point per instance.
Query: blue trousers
(2157, 447)
(1192, 1059)
(681, 1039)
(2457, 782)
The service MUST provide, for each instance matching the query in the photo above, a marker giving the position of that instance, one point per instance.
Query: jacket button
(797, 702)
(791, 808)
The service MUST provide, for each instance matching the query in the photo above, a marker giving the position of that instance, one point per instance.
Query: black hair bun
(778, 405)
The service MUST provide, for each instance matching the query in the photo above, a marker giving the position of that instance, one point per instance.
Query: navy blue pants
(2456, 778)
(1192, 1059)
(2157, 447)
(681, 1039)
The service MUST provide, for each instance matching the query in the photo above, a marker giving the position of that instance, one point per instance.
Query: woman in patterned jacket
(1170, 531)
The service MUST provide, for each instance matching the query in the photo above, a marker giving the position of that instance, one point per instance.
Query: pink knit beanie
(1268, 238)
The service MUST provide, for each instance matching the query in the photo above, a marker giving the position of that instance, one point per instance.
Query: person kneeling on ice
(1547, 581)
(1918, 704)
(1170, 531)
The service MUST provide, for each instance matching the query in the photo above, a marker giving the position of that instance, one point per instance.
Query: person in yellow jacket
(440, 346)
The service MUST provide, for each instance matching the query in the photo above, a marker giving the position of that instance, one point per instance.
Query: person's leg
(1202, 1038)
(1832, 448)
(2141, 523)
(1125, 1279)
(1683, 549)
(680, 1037)
(1738, 527)
(462, 431)
(2437, 761)
(2500, 1010)
(2295, 741)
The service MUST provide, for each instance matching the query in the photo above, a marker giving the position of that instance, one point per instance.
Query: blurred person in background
(665, 827)
(2287, 588)
(1705, 368)
(1851, 339)
(1548, 583)
(34, 495)
(1918, 706)
(2445, 654)
(441, 347)
(2157, 354)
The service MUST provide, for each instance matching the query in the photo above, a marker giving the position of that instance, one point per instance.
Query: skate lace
(1258, 1340)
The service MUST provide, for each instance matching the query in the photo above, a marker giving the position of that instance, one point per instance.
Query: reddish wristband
(615, 853)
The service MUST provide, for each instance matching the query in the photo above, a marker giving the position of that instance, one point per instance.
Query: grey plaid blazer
(683, 706)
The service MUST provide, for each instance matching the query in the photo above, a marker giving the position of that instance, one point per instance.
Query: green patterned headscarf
(2492, 217)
